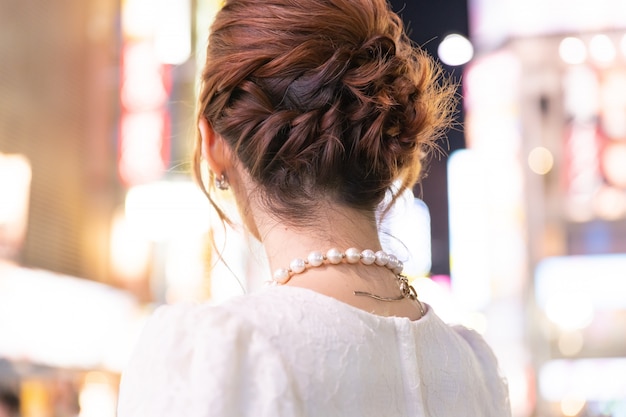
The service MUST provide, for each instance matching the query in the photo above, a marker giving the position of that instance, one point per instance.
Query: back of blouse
(293, 352)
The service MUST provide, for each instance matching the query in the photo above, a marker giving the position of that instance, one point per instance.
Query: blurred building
(538, 202)
(68, 313)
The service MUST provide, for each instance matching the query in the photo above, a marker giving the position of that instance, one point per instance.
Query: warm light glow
(97, 397)
(571, 343)
(172, 38)
(609, 203)
(130, 251)
(63, 321)
(612, 91)
(595, 279)
(614, 164)
(141, 152)
(15, 178)
(581, 92)
(602, 49)
(138, 18)
(583, 172)
(166, 22)
(540, 160)
(185, 269)
(144, 123)
(622, 45)
(470, 265)
(613, 120)
(572, 51)
(570, 311)
(162, 210)
(591, 379)
(143, 84)
(35, 397)
(571, 406)
(455, 50)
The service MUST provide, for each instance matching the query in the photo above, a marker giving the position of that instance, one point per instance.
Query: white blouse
(288, 351)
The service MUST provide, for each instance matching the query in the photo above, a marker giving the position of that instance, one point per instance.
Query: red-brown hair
(321, 99)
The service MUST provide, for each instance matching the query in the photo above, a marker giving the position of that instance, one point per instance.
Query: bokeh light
(540, 160)
(601, 49)
(572, 406)
(570, 311)
(571, 343)
(614, 164)
(573, 50)
(455, 50)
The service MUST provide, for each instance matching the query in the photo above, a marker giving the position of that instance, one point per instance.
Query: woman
(310, 112)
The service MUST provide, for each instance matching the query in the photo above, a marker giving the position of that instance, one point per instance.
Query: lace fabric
(289, 351)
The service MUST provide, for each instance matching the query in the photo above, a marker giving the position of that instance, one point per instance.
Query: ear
(214, 149)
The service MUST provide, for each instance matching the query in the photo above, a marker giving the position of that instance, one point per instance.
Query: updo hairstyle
(321, 99)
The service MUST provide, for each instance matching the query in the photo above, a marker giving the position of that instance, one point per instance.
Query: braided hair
(321, 98)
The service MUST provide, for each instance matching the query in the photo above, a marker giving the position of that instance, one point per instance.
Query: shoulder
(479, 348)
(243, 319)
(195, 358)
(488, 369)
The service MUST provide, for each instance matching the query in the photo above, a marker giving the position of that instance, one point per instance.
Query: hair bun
(322, 99)
(379, 47)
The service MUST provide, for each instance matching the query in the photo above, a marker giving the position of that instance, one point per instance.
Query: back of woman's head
(321, 100)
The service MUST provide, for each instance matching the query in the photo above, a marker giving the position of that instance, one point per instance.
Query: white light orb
(602, 49)
(455, 50)
(572, 50)
(540, 160)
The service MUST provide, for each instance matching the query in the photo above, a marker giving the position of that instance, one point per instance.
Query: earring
(221, 183)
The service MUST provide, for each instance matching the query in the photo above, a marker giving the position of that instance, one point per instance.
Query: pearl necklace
(351, 256)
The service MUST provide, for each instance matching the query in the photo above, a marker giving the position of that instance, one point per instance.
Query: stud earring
(221, 183)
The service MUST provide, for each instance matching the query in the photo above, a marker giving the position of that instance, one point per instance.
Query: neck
(335, 227)
(368, 287)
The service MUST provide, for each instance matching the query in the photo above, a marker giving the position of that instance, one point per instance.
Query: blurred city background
(519, 231)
